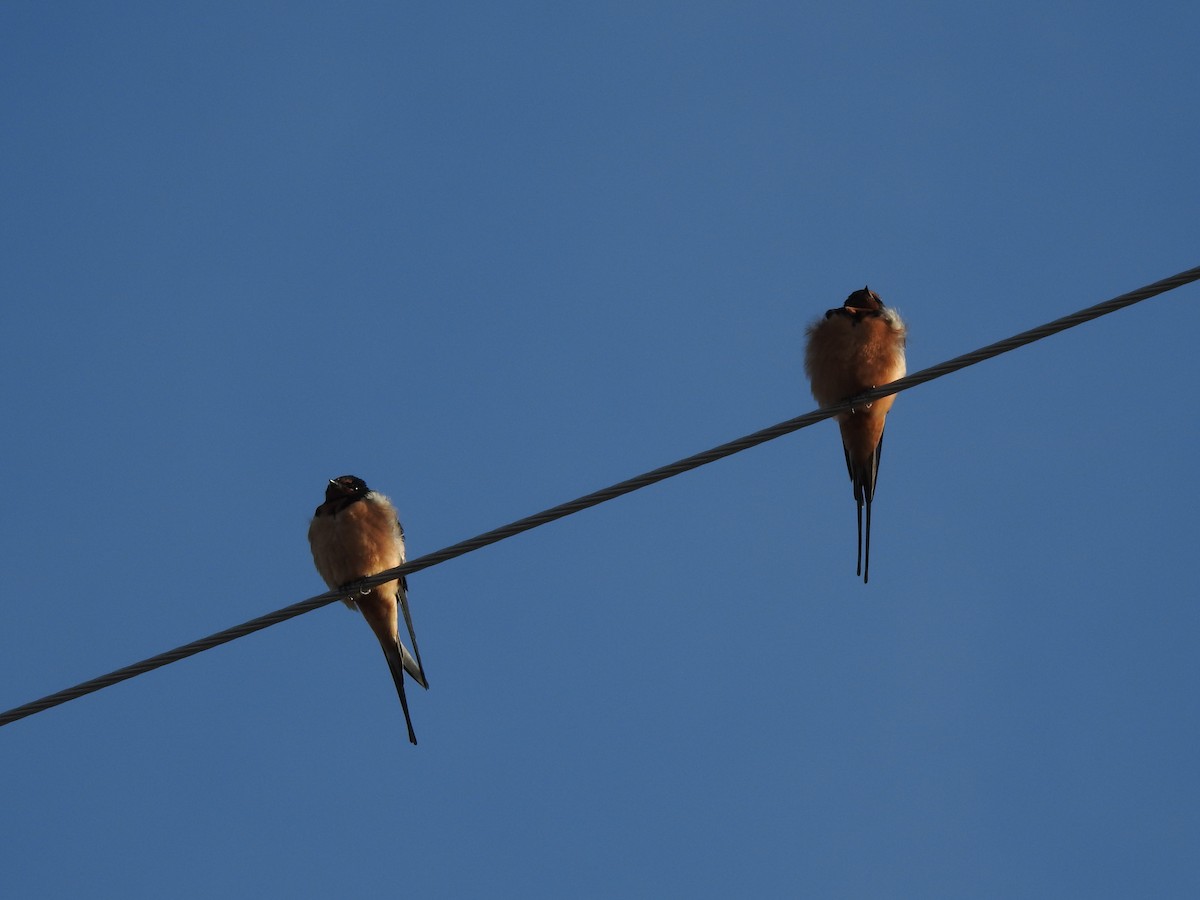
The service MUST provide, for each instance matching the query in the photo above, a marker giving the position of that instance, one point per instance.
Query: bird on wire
(851, 349)
(354, 534)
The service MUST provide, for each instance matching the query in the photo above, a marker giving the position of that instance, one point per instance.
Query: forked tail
(862, 476)
(396, 666)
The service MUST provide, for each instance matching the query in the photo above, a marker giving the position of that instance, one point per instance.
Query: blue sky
(491, 257)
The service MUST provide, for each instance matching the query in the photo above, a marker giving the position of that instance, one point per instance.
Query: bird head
(346, 486)
(865, 300)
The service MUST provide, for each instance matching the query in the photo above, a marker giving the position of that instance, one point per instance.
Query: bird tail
(396, 663)
(863, 473)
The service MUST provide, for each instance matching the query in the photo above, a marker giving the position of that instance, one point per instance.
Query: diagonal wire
(605, 494)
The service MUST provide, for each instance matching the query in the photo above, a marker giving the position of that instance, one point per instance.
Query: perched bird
(356, 533)
(856, 347)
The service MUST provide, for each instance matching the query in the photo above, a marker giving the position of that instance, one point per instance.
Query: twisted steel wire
(604, 494)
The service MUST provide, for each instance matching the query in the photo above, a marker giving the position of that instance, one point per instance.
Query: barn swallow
(854, 348)
(356, 533)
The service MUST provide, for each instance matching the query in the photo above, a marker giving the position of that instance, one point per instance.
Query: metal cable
(605, 494)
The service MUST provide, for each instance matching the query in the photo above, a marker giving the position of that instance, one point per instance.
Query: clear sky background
(492, 256)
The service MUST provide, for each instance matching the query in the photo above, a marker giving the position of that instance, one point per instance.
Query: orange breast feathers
(848, 355)
(355, 542)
